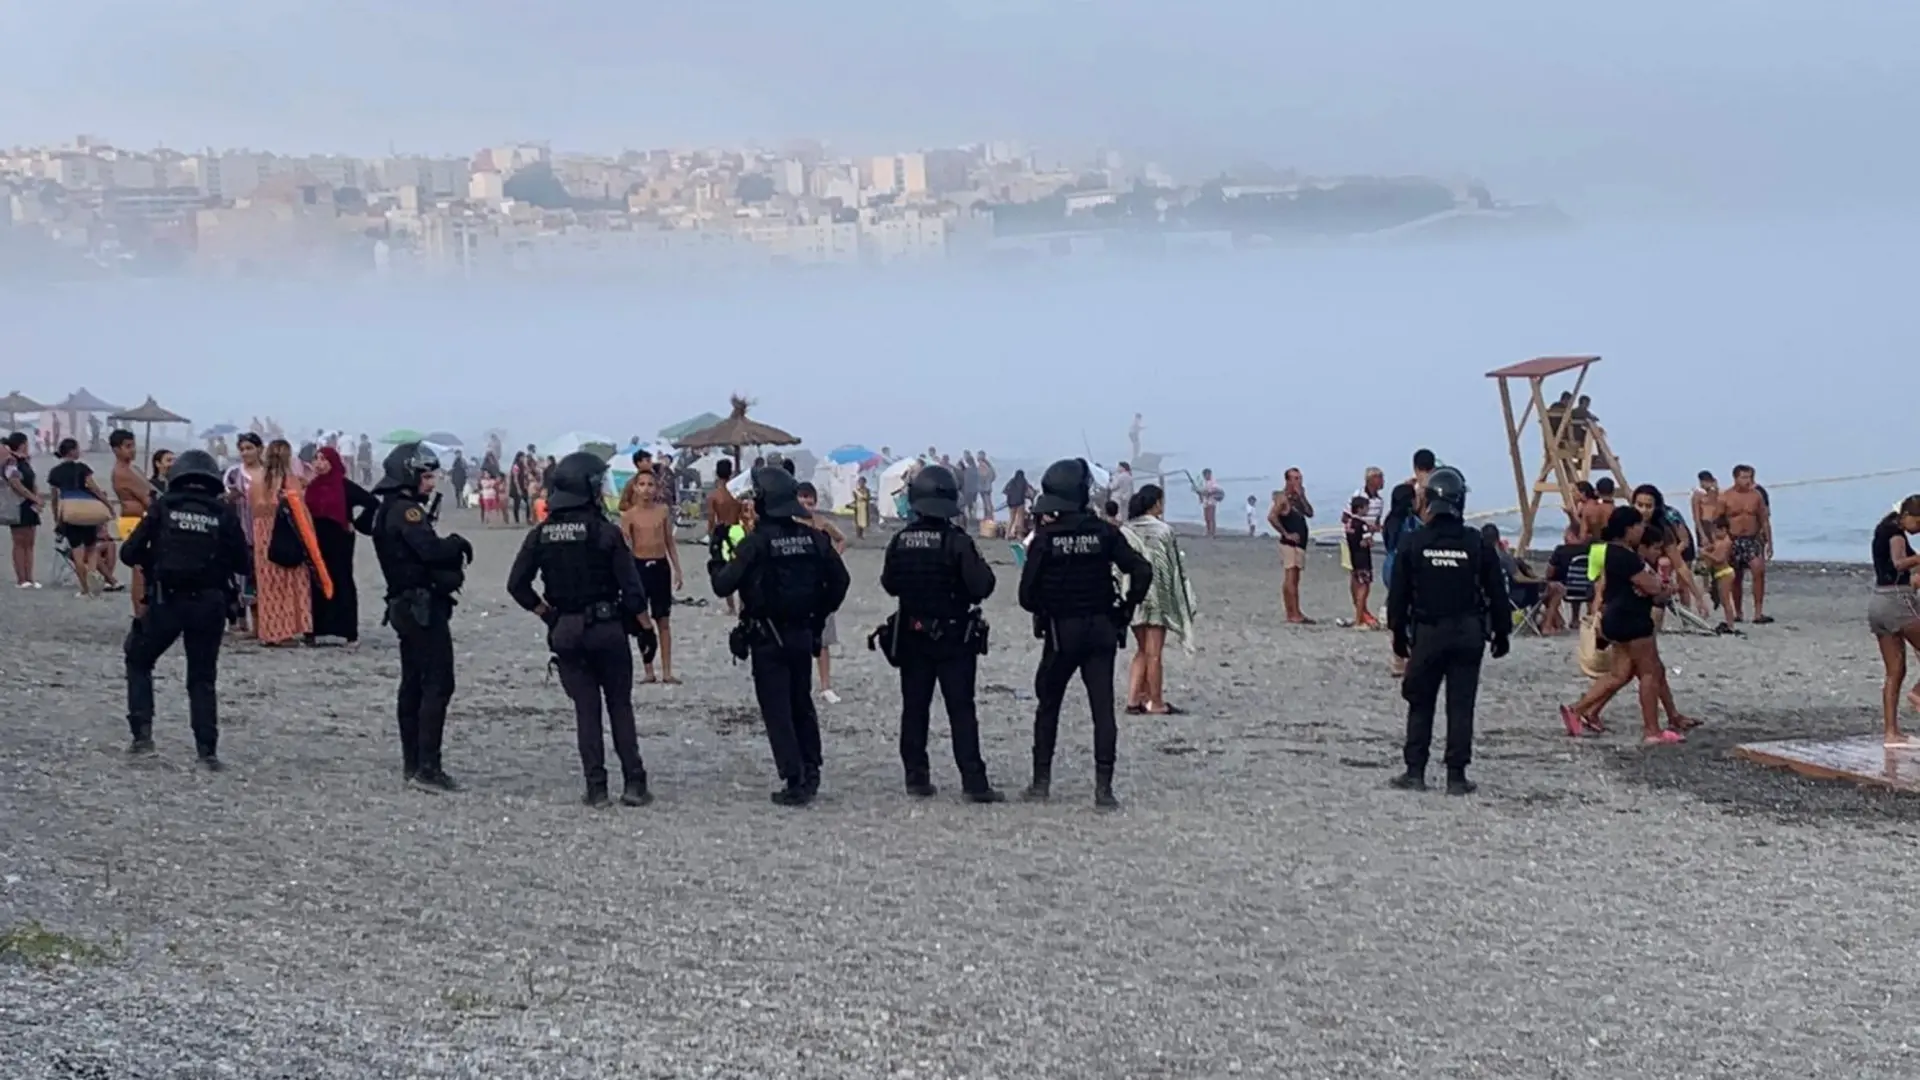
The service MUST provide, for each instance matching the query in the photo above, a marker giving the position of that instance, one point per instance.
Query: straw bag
(1594, 658)
(84, 511)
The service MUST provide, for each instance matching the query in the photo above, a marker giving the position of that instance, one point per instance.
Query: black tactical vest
(575, 570)
(790, 578)
(1076, 577)
(186, 541)
(925, 573)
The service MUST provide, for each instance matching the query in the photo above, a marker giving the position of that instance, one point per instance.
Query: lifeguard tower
(1573, 447)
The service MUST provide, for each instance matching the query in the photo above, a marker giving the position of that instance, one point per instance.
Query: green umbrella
(401, 435)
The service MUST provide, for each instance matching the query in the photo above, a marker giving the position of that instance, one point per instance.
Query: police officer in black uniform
(1068, 585)
(191, 546)
(789, 579)
(423, 570)
(593, 596)
(938, 634)
(1447, 597)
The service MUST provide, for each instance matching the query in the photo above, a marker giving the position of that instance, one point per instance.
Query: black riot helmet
(405, 466)
(934, 493)
(776, 494)
(1065, 488)
(195, 470)
(575, 481)
(1446, 492)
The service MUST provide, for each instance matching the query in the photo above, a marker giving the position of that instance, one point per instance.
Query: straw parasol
(16, 402)
(148, 413)
(736, 432)
(83, 401)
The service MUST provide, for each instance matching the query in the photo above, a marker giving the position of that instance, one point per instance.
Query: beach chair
(63, 563)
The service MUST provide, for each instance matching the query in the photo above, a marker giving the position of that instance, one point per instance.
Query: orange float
(303, 524)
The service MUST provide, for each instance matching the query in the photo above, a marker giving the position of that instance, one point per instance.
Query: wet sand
(1262, 905)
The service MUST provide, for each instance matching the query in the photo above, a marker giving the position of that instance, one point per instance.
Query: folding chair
(63, 563)
(1529, 621)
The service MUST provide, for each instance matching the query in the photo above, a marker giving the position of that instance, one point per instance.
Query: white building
(907, 238)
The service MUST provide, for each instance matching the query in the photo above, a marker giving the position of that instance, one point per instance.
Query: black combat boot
(210, 761)
(409, 767)
(433, 779)
(1042, 786)
(810, 779)
(984, 793)
(921, 788)
(1103, 792)
(596, 795)
(142, 744)
(796, 793)
(1458, 784)
(1410, 781)
(635, 793)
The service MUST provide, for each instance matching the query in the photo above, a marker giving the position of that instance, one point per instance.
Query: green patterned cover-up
(1169, 601)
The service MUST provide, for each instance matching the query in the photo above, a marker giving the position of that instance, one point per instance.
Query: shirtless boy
(1596, 510)
(1750, 525)
(134, 494)
(723, 510)
(648, 526)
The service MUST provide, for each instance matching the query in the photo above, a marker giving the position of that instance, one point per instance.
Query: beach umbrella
(857, 456)
(444, 440)
(15, 403)
(82, 401)
(736, 432)
(691, 424)
(401, 435)
(147, 414)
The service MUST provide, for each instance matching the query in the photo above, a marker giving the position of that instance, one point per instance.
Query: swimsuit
(1746, 549)
(656, 577)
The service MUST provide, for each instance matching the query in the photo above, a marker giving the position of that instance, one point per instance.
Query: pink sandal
(1663, 738)
(1572, 720)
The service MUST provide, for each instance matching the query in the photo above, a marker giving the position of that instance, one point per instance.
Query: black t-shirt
(1293, 529)
(1883, 571)
(69, 476)
(1625, 606)
(1399, 510)
(1359, 554)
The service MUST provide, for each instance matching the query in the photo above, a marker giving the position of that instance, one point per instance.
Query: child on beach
(862, 507)
(1357, 522)
(1253, 516)
(490, 500)
(829, 636)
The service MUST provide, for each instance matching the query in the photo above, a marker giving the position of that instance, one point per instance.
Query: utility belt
(595, 613)
(970, 631)
(414, 608)
(160, 592)
(1047, 627)
(754, 630)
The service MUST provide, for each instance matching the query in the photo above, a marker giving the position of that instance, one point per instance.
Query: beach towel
(1169, 602)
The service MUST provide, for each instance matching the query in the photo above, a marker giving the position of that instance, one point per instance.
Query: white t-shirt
(1376, 506)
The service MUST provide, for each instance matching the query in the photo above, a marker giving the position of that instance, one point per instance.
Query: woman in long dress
(339, 506)
(283, 601)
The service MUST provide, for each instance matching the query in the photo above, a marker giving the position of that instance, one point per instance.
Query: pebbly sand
(1263, 904)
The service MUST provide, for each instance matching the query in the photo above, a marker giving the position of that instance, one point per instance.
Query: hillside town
(92, 209)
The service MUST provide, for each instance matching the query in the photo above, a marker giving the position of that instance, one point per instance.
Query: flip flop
(1683, 723)
(1171, 710)
(671, 681)
(1593, 725)
(1136, 710)
(1667, 737)
(647, 680)
(1572, 721)
(1764, 620)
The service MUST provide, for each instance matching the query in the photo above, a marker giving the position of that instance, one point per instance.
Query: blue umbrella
(851, 455)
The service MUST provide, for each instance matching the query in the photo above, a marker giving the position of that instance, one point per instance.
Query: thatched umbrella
(16, 402)
(80, 402)
(735, 433)
(149, 413)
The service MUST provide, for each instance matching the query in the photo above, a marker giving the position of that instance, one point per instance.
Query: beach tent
(890, 492)
(835, 483)
(592, 442)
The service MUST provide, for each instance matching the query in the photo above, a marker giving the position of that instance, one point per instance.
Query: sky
(1637, 104)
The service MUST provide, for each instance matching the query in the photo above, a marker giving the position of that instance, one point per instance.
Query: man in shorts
(1750, 525)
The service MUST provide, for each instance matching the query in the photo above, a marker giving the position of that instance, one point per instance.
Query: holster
(885, 640)
(740, 639)
(410, 610)
(977, 631)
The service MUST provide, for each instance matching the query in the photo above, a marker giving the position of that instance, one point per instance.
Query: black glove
(1400, 648)
(465, 547)
(1501, 645)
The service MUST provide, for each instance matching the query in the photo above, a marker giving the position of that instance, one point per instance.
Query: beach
(1262, 905)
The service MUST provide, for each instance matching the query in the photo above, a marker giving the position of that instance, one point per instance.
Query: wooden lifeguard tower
(1572, 449)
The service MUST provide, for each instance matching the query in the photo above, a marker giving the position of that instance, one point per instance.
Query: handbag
(83, 511)
(284, 546)
(1594, 659)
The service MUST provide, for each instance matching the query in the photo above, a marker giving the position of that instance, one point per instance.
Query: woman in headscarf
(339, 506)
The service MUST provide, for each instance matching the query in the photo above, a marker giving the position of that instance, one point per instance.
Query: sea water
(1785, 344)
